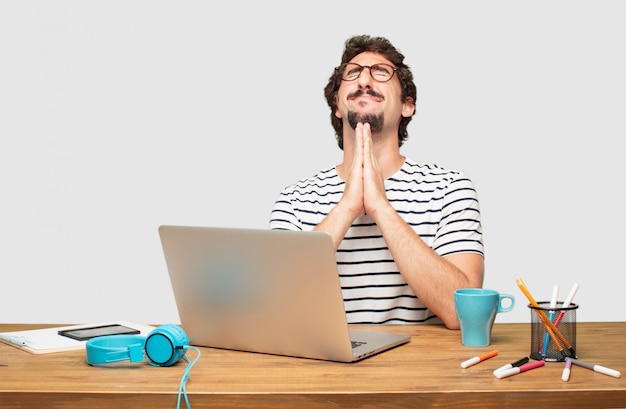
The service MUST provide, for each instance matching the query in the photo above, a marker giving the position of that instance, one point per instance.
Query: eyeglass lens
(379, 72)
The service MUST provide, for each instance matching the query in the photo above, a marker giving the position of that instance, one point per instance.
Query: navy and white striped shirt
(442, 207)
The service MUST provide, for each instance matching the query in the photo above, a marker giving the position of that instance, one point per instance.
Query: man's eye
(379, 69)
(353, 71)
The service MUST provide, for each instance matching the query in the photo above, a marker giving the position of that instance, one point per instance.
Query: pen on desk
(566, 370)
(597, 368)
(17, 340)
(566, 303)
(562, 343)
(553, 300)
(519, 369)
(477, 359)
(519, 362)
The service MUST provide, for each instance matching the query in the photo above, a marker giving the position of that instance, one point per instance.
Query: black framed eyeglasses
(379, 72)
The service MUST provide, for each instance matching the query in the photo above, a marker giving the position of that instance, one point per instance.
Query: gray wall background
(119, 116)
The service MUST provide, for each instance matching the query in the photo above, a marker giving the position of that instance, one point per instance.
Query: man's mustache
(370, 92)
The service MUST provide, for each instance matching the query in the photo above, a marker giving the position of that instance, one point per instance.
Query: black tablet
(83, 334)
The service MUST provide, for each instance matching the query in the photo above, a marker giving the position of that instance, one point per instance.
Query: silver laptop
(267, 291)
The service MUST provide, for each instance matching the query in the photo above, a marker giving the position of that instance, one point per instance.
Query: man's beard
(375, 120)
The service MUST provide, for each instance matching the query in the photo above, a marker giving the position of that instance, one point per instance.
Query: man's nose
(365, 79)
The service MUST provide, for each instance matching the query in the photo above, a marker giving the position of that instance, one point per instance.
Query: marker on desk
(517, 363)
(566, 303)
(597, 368)
(519, 369)
(477, 359)
(566, 370)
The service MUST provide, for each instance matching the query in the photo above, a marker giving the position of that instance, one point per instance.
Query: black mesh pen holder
(552, 342)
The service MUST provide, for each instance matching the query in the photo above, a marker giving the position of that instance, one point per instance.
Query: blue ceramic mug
(476, 309)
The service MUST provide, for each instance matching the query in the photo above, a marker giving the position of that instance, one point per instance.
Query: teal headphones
(164, 346)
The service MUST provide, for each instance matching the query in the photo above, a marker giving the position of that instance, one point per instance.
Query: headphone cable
(182, 389)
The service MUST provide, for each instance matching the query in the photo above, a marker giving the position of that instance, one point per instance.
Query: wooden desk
(424, 373)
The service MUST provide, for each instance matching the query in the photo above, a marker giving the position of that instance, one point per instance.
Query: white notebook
(46, 340)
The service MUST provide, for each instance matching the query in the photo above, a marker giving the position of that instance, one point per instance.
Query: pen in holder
(564, 320)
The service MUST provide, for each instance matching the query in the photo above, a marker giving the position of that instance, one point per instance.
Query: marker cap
(507, 372)
(607, 371)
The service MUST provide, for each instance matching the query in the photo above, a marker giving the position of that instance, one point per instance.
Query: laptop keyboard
(358, 344)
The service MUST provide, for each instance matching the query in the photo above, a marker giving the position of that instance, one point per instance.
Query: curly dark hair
(365, 43)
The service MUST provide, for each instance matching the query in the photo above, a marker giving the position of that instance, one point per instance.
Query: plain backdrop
(119, 116)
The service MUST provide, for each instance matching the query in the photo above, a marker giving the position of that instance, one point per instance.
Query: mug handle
(503, 297)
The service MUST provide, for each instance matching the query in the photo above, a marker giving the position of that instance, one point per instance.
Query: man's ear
(408, 107)
(337, 113)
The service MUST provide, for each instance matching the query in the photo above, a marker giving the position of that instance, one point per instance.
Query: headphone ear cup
(166, 345)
